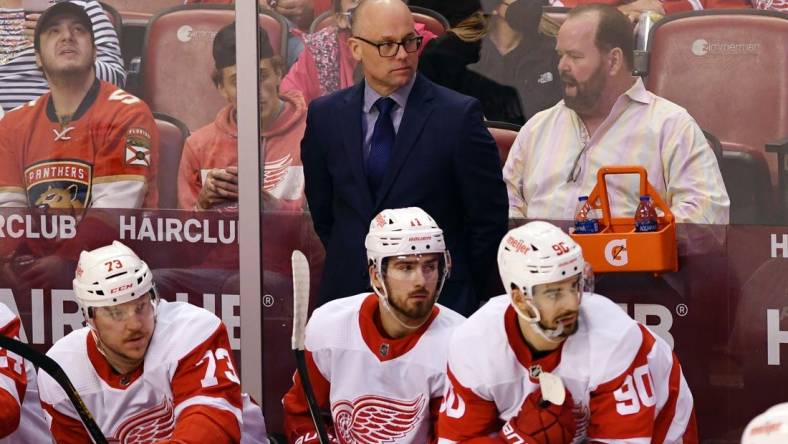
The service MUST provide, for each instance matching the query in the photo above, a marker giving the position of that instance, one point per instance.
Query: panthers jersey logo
(376, 419)
(59, 184)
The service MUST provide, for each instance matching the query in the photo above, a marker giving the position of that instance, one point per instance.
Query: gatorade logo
(616, 252)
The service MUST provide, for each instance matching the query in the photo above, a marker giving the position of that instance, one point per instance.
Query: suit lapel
(417, 110)
(350, 115)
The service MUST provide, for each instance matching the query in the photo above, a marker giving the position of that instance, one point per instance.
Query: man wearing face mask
(377, 361)
(515, 53)
(613, 380)
(445, 61)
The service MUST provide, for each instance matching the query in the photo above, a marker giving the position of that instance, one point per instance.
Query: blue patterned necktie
(382, 144)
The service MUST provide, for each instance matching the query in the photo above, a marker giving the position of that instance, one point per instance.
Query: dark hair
(613, 30)
(224, 46)
(224, 52)
(62, 8)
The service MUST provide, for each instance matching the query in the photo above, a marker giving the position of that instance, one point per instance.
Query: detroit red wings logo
(149, 426)
(376, 419)
(275, 171)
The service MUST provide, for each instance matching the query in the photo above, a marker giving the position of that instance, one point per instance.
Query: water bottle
(645, 216)
(585, 223)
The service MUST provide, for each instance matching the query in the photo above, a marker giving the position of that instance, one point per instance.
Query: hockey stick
(54, 370)
(300, 308)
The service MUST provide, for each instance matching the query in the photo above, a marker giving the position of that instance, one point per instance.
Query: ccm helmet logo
(121, 288)
(616, 252)
(419, 238)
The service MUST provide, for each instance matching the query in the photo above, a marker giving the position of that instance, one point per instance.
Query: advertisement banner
(725, 312)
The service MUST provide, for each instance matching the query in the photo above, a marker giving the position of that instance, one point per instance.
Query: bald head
(370, 13)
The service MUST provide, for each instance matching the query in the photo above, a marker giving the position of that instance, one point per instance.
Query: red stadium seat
(727, 68)
(433, 21)
(177, 59)
(146, 6)
(172, 135)
(504, 134)
(114, 17)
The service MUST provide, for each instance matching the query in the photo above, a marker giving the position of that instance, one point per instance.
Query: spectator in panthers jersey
(21, 80)
(85, 144)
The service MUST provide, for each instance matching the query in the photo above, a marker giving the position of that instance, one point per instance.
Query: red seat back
(143, 6)
(172, 135)
(729, 69)
(177, 60)
(504, 135)
(432, 20)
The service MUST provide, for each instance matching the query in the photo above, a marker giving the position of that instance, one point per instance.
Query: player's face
(582, 65)
(125, 331)
(66, 47)
(412, 284)
(559, 303)
(270, 77)
(381, 24)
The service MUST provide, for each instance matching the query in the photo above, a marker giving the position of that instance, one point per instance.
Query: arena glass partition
(111, 170)
(722, 312)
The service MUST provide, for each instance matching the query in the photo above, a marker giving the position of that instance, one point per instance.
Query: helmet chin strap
(549, 335)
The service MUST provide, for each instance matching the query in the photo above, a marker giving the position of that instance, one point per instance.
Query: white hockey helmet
(110, 275)
(537, 253)
(403, 232)
(770, 427)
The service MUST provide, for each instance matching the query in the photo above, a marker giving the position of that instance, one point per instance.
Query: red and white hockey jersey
(21, 418)
(626, 382)
(186, 390)
(378, 390)
(105, 157)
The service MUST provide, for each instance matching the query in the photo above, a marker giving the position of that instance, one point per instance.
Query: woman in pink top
(326, 64)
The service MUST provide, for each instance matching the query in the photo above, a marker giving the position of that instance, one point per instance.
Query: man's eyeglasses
(390, 49)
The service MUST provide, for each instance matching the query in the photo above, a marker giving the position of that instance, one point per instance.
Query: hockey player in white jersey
(150, 371)
(21, 418)
(621, 383)
(377, 361)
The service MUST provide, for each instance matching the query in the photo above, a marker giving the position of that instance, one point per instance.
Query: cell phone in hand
(36, 5)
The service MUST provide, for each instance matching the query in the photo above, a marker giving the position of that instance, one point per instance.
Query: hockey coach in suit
(398, 140)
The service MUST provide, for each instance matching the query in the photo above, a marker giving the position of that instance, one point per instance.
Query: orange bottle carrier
(617, 246)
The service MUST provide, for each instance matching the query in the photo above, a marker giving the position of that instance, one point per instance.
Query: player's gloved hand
(541, 422)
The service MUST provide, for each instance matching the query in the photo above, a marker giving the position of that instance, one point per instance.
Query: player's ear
(374, 278)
